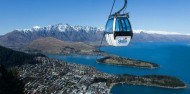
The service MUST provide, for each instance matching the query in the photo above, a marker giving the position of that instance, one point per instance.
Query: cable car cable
(99, 48)
(112, 7)
(103, 36)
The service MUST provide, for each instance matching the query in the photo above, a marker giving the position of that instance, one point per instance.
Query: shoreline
(114, 84)
(111, 86)
(127, 66)
(128, 62)
(100, 53)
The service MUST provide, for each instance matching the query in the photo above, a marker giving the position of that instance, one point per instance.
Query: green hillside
(11, 58)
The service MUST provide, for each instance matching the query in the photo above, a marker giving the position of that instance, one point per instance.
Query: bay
(173, 58)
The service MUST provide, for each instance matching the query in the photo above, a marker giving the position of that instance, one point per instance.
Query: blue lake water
(173, 58)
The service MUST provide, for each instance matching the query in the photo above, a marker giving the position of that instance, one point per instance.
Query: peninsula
(149, 80)
(117, 60)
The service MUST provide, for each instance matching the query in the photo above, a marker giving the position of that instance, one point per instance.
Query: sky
(158, 15)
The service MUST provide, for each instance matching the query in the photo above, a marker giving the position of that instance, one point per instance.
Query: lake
(173, 58)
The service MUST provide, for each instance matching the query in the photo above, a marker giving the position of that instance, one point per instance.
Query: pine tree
(9, 82)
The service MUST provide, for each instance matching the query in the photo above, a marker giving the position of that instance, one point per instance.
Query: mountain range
(65, 32)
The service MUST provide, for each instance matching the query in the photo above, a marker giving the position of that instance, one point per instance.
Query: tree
(9, 82)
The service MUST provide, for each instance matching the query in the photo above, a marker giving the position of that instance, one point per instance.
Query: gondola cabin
(118, 31)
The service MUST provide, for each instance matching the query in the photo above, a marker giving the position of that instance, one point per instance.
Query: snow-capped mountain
(65, 27)
(61, 28)
(21, 37)
(65, 32)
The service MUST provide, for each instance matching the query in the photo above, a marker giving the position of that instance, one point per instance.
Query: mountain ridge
(61, 28)
(66, 27)
(21, 38)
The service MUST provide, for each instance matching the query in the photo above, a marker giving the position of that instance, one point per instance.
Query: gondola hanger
(118, 28)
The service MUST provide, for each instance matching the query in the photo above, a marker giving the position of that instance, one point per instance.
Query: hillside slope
(10, 58)
(51, 45)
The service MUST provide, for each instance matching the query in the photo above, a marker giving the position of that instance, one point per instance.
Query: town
(50, 76)
(58, 77)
